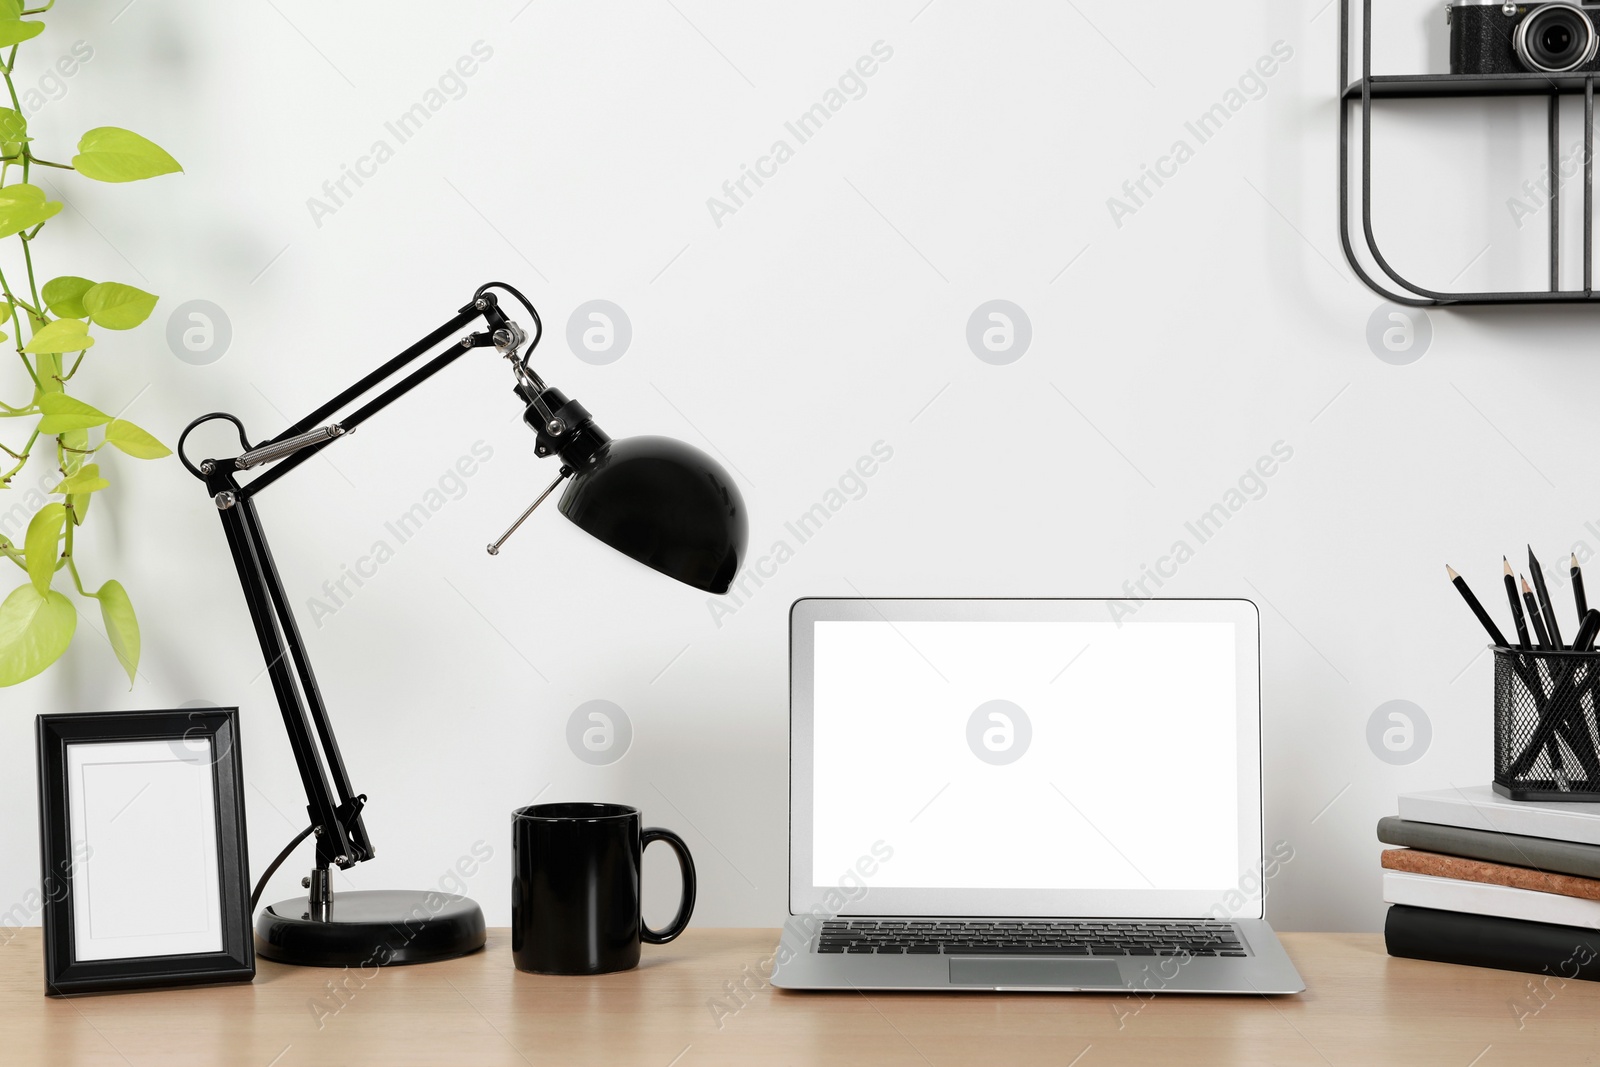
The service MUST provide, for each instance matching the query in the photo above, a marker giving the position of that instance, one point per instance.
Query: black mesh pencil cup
(1547, 725)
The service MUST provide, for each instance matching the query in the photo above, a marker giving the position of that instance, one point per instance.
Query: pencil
(1577, 588)
(1477, 609)
(1587, 631)
(1544, 600)
(1534, 617)
(1516, 607)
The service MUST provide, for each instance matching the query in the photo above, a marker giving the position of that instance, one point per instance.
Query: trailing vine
(37, 621)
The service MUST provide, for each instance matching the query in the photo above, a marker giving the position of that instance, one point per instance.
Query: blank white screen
(1129, 780)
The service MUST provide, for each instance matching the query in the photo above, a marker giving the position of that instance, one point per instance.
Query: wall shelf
(1439, 86)
(1358, 95)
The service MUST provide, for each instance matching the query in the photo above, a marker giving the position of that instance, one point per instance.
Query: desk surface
(1361, 1007)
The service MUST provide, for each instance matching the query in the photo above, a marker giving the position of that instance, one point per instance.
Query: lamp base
(375, 928)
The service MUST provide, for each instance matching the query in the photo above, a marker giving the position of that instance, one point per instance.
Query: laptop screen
(1028, 757)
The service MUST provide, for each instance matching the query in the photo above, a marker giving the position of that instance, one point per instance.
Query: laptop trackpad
(1060, 973)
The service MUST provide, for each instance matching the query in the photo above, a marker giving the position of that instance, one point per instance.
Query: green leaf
(13, 127)
(135, 441)
(122, 627)
(78, 503)
(49, 369)
(111, 154)
(64, 296)
(87, 480)
(23, 206)
(118, 307)
(43, 544)
(62, 335)
(63, 413)
(75, 445)
(14, 31)
(35, 629)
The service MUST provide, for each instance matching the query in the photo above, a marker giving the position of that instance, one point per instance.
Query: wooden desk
(1361, 1008)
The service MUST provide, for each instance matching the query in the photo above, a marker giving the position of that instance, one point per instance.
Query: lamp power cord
(272, 868)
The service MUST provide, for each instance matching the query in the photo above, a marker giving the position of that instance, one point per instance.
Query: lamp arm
(561, 425)
(301, 441)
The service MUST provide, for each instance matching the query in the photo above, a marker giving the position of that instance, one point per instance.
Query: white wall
(827, 313)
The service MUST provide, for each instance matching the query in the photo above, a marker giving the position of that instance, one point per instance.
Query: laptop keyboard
(944, 937)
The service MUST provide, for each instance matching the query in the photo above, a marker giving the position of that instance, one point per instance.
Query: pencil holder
(1547, 725)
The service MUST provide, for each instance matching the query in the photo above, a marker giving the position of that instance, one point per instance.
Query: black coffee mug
(575, 896)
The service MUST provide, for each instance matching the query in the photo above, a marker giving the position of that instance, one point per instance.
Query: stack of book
(1482, 880)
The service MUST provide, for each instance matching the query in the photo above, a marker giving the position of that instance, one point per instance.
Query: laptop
(1041, 795)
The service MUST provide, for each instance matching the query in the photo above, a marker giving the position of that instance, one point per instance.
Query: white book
(1479, 898)
(1479, 807)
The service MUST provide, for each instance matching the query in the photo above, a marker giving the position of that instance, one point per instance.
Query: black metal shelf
(1439, 86)
(1368, 87)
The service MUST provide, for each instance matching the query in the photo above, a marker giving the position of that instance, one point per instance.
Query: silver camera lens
(1555, 38)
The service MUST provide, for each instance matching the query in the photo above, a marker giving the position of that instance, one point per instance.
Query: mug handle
(686, 904)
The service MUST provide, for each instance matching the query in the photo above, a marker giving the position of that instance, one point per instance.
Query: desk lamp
(664, 503)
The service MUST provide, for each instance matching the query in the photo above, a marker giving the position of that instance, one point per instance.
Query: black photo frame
(160, 899)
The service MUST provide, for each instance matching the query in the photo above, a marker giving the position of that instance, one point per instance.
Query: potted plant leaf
(53, 326)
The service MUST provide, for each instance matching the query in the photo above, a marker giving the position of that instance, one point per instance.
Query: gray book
(1543, 854)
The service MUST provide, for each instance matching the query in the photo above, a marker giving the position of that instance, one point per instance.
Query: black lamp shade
(667, 504)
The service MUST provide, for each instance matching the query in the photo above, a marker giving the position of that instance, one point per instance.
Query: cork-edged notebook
(1415, 861)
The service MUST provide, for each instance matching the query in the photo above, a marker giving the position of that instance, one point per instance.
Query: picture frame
(142, 847)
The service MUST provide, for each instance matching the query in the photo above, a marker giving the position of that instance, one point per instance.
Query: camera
(1492, 37)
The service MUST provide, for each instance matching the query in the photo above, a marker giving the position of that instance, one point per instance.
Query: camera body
(1494, 37)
